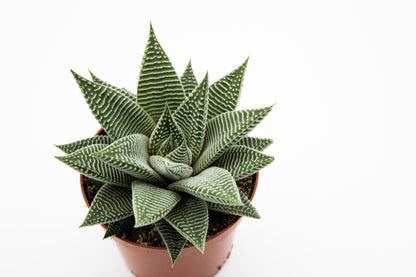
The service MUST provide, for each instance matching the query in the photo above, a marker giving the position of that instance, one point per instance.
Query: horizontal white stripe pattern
(82, 161)
(213, 184)
(225, 130)
(117, 114)
(190, 218)
(173, 240)
(242, 161)
(151, 203)
(225, 93)
(158, 82)
(110, 204)
(76, 145)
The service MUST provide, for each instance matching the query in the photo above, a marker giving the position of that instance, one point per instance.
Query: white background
(338, 201)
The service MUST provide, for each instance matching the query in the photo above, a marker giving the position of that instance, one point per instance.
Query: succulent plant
(172, 152)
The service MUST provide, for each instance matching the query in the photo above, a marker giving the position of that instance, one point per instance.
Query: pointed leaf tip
(247, 209)
(191, 117)
(158, 81)
(129, 154)
(225, 93)
(117, 114)
(165, 128)
(151, 203)
(242, 161)
(82, 162)
(173, 240)
(188, 79)
(112, 203)
(225, 130)
(213, 184)
(190, 219)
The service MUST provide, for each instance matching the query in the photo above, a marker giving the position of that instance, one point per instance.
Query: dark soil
(149, 236)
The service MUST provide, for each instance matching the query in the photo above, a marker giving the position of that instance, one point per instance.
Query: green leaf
(118, 115)
(247, 209)
(92, 167)
(118, 227)
(74, 146)
(190, 218)
(225, 130)
(258, 144)
(225, 93)
(167, 146)
(181, 154)
(110, 204)
(170, 170)
(173, 240)
(242, 161)
(130, 155)
(165, 128)
(123, 91)
(151, 203)
(213, 184)
(188, 79)
(158, 81)
(191, 116)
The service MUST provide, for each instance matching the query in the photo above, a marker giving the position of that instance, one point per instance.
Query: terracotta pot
(144, 261)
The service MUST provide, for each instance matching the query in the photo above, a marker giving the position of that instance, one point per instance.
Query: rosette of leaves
(173, 151)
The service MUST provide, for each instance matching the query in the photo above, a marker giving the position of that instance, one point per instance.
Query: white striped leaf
(247, 209)
(170, 170)
(123, 91)
(76, 145)
(190, 218)
(92, 167)
(117, 114)
(225, 93)
(117, 227)
(188, 79)
(151, 203)
(213, 184)
(225, 130)
(191, 117)
(130, 155)
(166, 127)
(256, 143)
(182, 154)
(173, 240)
(158, 81)
(167, 146)
(242, 161)
(110, 204)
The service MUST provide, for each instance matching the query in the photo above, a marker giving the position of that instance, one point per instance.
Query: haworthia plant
(173, 151)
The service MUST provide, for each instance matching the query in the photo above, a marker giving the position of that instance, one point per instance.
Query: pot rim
(162, 248)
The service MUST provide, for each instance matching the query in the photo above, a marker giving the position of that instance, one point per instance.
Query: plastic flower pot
(149, 261)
